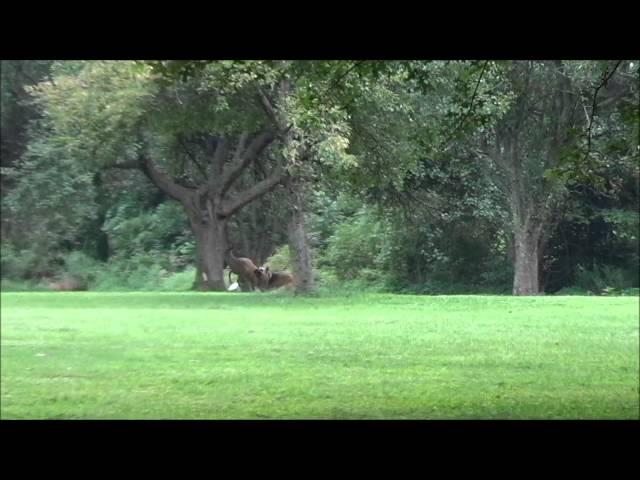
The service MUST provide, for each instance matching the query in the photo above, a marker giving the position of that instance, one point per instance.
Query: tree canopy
(423, 176)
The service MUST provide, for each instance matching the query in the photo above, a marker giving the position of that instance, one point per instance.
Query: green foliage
(141, 272)
(280, 260)
(603, 279)
(355, 247)
(416, 252)
(9, 285)
(96, 114)
(575, 291)
(625, 223)
(415, 140)
(81, 266)
(178, 282)
(51, 201)
(16, 108)
(369, 281)
(17, 264)
(144, 275)
(497, 274)
(155, 232)
(630, 292)
(326, 211)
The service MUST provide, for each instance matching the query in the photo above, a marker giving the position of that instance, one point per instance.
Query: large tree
(192, 139)
(310, 129)
(194, 135)
(16, 112)
(546, 130)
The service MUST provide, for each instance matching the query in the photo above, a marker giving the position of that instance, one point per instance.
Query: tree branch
(257, 190)
(605, 79)
(192, 157)
(241, 161)
(620, 96)
(271, 112)
(335, 83)
(163, 182)
(268, 108)
(217, 162)
(242, 146)
(468, 112)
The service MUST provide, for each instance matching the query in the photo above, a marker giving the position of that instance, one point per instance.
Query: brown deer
(244, 268)
(69, 284)
(268, 280)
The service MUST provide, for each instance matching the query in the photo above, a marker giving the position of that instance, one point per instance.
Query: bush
(146, 278)
(326, 279)
(139, 273)
(573, 291)
(8, 285)
(369, 282)
(498, 274)
(355, 247)
(179, 282)
(280, 260)
(11, 265)
(81, 266)
(24, 264)
(630, 292)
(162, 229)
(603, 279)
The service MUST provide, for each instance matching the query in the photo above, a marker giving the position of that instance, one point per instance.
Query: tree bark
(526, 280)
(298, 241)
(211, 245)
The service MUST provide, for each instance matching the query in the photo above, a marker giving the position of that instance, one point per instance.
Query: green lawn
(258, 356)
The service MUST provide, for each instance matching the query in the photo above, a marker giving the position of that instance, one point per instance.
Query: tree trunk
(298, 242)
(526, 280)
(210, 205)
(211, 244)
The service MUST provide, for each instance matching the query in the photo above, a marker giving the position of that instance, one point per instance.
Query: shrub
(573, 291)
(179, 282)
(280, 260)
(81, 266)
(9, 285)
(603, 279)
(22, 264)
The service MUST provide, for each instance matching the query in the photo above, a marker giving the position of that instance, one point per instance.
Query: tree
(114, 115)
(308, 105)
(465, 155)
(16, 112)
(193, 135)
(540, 135)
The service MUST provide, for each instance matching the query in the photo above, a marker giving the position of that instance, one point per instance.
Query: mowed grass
(271, 356)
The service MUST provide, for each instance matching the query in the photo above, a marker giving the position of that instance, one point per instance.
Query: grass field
(271, 356)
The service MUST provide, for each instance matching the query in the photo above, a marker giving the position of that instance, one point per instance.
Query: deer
(269, 280)
(244, 268)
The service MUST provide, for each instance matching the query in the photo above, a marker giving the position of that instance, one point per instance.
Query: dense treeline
(411, 176)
